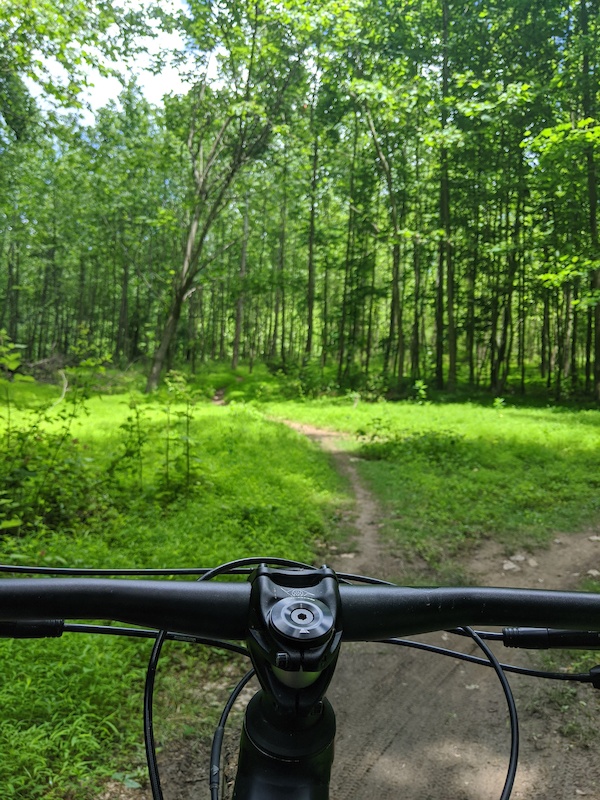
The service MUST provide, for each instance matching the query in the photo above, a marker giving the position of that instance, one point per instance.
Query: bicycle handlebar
(369, 613)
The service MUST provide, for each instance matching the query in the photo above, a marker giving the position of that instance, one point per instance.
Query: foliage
(46, 478)
(10, 357)
(312, 148)
(60, 719)
(443, 448)
(37, 36)
(255, 488)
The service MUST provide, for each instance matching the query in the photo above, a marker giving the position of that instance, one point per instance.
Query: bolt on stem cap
(302, 620)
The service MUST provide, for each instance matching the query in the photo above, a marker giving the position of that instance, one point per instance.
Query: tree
(37, 35)
(229, 121)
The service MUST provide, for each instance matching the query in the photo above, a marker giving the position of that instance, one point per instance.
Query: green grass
(453, 475)
(72, 707)
(232, 483)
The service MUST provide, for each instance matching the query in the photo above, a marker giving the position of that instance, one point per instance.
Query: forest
(376, 195)
(348, 201)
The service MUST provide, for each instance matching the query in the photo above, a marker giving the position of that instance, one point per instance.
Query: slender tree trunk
(445, 293)
(470, 319)
(239, 307)
(223, 308)
(370, 313)
(595, 279)
(180, 290)
(12, 291)
(397, 315)
(471, 281)
(122, 345)
(396, 330)
(415, 340)
(522, 328)
(575, 336)
(567, 330)
(214, 322)
(545, 335)
(310, 302)
(348, 257)
(494, 324)
(342, 337)
(439, 321)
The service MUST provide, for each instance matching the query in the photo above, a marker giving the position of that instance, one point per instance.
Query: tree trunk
(348, 255)
(342, 337)
(122, 345)
(396, 318)
(310, 302)
(445, 264)
(545, 336)
(239, 308)
(439, 320)
(181, 288)
(370, 313)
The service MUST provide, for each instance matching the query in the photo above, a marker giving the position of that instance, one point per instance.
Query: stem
(139, 448)
(167, 446)
(187, 443)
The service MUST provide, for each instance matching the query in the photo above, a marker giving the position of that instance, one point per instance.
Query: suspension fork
(286, 749)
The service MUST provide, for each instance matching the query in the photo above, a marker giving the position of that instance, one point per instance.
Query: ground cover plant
(175, 482)
(454, 474)
(122, 479)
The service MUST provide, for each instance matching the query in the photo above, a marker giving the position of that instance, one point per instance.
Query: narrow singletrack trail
(369, 556)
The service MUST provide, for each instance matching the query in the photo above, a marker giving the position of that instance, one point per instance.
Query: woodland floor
(416, 725)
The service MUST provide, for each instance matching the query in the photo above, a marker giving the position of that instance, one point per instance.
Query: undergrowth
(122, 479)
(131, 481)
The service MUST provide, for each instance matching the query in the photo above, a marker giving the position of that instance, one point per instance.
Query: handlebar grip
(36, 629)
(215, 610)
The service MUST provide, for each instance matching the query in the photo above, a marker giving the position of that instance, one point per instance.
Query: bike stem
(294, 640)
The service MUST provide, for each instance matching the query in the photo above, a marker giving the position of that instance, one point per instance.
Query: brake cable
(512, 712)
(217, 743)
(576, 677)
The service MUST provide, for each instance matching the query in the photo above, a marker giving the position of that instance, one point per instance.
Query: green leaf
(10, 523)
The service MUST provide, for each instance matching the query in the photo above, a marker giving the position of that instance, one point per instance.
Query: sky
(154, 87)
(103, 89)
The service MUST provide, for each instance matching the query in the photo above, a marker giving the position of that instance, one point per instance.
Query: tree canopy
(381, 194)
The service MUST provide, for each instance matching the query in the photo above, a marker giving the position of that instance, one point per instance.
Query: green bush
(444, 448)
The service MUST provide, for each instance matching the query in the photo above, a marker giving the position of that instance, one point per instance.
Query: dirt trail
(423, 727)
(370, 554)
(420, 726)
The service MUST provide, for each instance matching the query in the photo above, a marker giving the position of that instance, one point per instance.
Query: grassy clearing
(174, 481)
(452, 475)
(201, 488)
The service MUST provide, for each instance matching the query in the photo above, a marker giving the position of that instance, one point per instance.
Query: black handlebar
(381, 612)
(220, 610)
